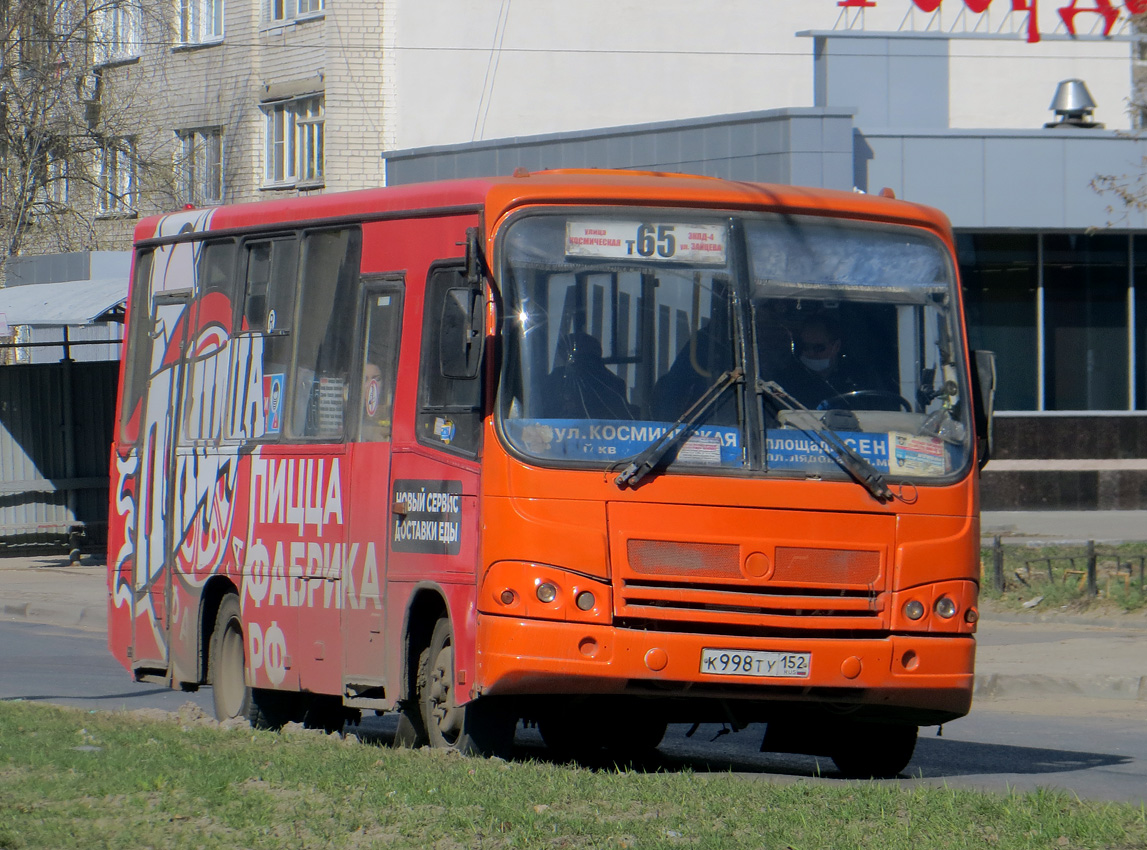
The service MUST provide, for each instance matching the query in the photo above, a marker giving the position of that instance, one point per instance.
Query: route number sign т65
(674, 242)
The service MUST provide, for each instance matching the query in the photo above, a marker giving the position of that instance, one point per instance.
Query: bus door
(156, 487)
(433, 510)
(370, 456)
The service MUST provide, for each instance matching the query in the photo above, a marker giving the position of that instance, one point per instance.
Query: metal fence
(55, 441)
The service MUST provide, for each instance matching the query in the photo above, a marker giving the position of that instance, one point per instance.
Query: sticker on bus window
(668, 242)
(609, 440)
(427, 516)
(916, 455)
(273, 402)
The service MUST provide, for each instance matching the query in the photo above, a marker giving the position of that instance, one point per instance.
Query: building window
(1000, 274)
(200, 21)
(1085, 280)
(1059, 310)
(294, 132)
(117, 182)
(116, 37)
(285, 10)
(200, 165)
(53, 189)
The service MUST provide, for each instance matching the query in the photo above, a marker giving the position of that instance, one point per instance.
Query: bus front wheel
(229, 692)
(480, 727)
(871, 751)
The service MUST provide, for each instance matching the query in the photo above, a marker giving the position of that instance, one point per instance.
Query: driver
(821, 371)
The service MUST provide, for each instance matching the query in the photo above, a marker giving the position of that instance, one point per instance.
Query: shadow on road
(711, 751)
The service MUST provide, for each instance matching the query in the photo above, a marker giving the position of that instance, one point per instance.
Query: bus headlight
(585, 601)
(913, 609)
(946, 608)
(547, 592)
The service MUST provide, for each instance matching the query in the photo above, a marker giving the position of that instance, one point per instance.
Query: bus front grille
(715, 584)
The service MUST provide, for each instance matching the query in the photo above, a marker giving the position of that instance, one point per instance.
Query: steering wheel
(866, 400)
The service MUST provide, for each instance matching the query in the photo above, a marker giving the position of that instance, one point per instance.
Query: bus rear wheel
(230, 695)
(871, 751)
(481, 727)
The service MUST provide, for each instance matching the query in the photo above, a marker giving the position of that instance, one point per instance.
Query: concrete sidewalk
(1065, 526)
(1018, 656)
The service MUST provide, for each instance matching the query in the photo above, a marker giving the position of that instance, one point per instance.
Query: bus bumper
(927, 675)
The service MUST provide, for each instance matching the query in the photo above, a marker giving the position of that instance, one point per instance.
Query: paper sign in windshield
(793, 449)
(610, 440)
(916, 455)
(654, 241)
(893, 453)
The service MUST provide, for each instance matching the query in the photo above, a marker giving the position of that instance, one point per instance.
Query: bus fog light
(913, 609)
(946, 608)
(585, 600)
(507, 597)
(547, 592)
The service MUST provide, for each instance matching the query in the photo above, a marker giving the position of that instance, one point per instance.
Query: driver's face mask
(816, 355)
(816, 364)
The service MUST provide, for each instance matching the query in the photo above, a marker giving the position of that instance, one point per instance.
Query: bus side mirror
(475, 262)
(461, 336)
(984, 401)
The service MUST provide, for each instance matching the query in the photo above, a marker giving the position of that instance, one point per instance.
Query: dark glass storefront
(1059, 310)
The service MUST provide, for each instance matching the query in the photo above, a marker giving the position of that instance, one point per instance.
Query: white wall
(467, 70)
(1010, 84)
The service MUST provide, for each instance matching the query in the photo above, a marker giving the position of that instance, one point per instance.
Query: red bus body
(235, 478)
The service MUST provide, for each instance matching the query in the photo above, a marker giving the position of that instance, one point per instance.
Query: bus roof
(500, 195)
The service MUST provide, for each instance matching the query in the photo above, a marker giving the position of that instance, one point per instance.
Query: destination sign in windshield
(654, 241)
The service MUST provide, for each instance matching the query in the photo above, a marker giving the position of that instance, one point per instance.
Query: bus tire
(482, 727)
(230, 695)
(274, 709)
(871, 751)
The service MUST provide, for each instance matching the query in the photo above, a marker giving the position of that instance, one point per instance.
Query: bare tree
(78, 157)
(1129, 191)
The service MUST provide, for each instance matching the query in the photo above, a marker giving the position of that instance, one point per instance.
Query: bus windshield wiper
(643, 464)
(859, 467)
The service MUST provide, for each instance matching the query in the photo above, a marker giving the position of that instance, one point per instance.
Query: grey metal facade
(55, 444)
(807, 147)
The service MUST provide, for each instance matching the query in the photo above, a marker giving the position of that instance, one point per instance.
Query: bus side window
(328, 286)
(137, 357)
(379, 363)
(207, 378)
(263, 350)
(450, 402)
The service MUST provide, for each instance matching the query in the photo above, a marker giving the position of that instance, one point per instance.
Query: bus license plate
(752, 662)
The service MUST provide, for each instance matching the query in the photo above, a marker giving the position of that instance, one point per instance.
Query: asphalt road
(1096, 749)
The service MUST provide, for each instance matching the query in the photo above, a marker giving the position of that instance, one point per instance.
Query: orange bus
(599, 451)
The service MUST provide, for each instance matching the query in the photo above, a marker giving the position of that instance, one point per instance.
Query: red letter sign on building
(1066, 13)
(1101, 7)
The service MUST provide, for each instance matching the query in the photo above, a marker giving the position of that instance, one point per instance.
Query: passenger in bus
(697, 367)
(581, 385)
(821, 371)
(375, 405)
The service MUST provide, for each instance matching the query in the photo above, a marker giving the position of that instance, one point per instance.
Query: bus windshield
(817, 336)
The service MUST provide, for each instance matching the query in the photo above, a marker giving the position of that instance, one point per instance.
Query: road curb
(87, 617)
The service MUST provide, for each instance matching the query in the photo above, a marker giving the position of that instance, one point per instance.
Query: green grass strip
(121, 780)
